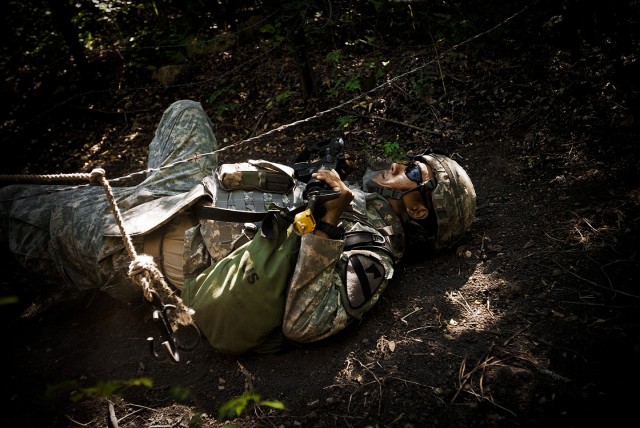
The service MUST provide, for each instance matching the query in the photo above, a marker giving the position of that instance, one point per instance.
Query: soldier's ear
(415, 206)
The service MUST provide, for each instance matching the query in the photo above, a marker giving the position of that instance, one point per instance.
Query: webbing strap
(225, 214)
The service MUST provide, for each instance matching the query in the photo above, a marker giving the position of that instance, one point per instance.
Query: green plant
(102, 388)
(8, 300)
(334, 56)
(274, 33)
(179, 393)
(226, 90)
(394, 151)
(335, 89)
(353, 84)
(280, 98)
(225, 106)
(345, 121)
(422, 86)
(237, 405)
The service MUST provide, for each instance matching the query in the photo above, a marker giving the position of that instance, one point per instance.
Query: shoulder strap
(224, 214)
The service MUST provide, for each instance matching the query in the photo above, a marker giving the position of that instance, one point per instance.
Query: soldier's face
(403, 177)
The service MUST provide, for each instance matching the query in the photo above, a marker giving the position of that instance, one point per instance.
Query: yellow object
(304, 222)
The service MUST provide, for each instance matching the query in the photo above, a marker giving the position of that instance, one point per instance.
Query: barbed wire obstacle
(143, 269)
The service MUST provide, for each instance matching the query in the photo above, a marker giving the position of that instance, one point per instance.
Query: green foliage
(379, 5)
(8, 300)
(155, 7)
(422, 85)
(341, 85)
(176, 56)
(345, 121)
(226, 108)
(279, 99)
(334, 56)
(394, 151)
(220, 94)
(353, 84)
(195, 421)
(274, 32)
(237, 405)
(373, 66)
(102, 389)
(179, 393)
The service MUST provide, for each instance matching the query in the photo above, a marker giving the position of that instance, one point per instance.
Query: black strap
(334, 232)
(224, 214)
(362, 239)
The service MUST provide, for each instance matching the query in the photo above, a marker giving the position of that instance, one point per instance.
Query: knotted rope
(142, 269)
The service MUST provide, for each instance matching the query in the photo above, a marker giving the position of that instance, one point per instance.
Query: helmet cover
(454, 199)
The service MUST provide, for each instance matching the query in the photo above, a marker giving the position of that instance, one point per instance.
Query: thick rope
(45, 178)
(142, 269)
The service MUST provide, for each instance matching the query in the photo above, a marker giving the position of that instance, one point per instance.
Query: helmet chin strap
(385, 192)
(388, 193)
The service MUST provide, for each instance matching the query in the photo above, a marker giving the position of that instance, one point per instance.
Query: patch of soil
(531, 321)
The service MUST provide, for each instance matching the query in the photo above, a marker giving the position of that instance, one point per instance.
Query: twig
(261, 415)
(426, 327)
(594, 283)
(256, 125)
(129, 415)
(517, 333)
(553, 375)
(112, 416)
(463, 378)
(90, 423)
(410, 313)
(379, 384)
(248, 377)
(143, 407)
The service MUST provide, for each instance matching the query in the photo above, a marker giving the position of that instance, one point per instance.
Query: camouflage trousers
(57, 230)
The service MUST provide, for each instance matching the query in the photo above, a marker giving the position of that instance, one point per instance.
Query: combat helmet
(453, 197)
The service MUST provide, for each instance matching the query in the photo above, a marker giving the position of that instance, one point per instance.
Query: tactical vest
(237, 189)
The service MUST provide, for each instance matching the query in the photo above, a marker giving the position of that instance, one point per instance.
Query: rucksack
(239, 301)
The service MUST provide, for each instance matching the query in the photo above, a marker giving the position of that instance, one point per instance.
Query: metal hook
(169, 341)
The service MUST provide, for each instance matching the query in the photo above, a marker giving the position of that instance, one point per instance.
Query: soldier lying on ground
(425, 205)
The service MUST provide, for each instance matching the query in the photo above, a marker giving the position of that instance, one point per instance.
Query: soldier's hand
(335, 207)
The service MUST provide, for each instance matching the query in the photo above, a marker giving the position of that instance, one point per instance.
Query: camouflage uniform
(69, 232)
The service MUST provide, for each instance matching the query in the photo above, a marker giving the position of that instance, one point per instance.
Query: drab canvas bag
(239, 301)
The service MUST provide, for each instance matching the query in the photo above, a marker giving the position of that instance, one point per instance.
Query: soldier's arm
(330, 288)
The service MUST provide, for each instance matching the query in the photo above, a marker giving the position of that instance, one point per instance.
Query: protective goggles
(414, 172)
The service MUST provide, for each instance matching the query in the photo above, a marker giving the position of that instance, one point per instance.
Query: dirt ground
(533, 320)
